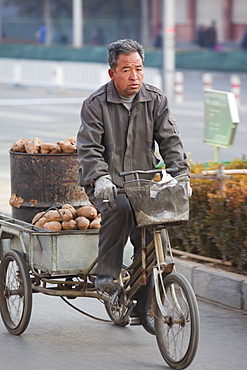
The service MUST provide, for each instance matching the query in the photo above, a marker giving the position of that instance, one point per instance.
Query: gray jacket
(111, 139)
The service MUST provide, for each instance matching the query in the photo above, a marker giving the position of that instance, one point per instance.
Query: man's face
(128, 75)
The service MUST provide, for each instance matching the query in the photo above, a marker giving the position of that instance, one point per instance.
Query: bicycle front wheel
(176, 321)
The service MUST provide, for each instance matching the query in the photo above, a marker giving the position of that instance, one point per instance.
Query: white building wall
(181, 11)
(239, 12)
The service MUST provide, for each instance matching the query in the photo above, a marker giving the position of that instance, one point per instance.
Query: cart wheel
(15, 292)
(177, 321)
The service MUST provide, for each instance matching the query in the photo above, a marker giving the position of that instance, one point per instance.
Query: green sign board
(221, 118)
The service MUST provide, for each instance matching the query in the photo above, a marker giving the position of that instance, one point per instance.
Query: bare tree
(47, 18)
(1, 30)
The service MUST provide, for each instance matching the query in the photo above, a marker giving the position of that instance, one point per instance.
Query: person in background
(41, 34)
(98, 38)
(120, 123)
(201, 36)
(158, 43)
(211, 36)
(243, 43)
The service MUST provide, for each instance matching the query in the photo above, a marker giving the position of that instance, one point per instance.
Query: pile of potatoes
(68, 218)
(36, 145)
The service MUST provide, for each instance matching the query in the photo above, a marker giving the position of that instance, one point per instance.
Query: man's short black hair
(126, 46)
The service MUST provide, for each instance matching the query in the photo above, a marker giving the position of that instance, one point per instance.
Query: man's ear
(111, 73)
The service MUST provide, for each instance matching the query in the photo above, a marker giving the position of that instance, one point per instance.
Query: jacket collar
(113, 97)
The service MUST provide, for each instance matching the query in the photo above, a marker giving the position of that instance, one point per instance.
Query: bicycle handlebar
(158, 170)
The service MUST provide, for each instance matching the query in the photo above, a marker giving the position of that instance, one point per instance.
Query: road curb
(214, 284)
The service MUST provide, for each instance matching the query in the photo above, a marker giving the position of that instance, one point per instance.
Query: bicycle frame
(150, 261)
(152, 256)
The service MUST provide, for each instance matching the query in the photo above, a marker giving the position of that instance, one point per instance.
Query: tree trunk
(1, 30)
(77, 23)
(47, 17)
(145, 23)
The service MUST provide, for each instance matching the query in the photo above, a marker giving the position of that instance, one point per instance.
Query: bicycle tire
(115, 308)
(117, 313)
(15, 292)
(178, 326)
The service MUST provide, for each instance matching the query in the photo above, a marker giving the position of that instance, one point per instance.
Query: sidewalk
(212, 284)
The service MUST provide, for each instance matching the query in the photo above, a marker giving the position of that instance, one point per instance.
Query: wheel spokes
(176, 329)
(13, 292)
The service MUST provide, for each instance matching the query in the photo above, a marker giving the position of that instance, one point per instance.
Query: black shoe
(146, 321)
(106, 284)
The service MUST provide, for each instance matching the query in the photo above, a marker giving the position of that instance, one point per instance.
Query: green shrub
(218, 220)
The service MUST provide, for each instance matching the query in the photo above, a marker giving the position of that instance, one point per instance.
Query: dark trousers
(117, 225)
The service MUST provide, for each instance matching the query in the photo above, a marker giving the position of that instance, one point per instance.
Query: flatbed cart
(61, 264)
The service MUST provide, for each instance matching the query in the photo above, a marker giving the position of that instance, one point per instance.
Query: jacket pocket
(172, 122)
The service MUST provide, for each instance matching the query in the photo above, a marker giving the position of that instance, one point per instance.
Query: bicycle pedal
(135, 321)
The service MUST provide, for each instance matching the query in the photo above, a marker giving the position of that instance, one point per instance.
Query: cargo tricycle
(61, 264)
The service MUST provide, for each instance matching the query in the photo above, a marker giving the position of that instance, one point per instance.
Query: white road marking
(28, 117)
(58, 109)
(41, 101)
(49, 134)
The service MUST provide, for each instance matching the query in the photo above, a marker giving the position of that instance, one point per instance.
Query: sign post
(221, 119)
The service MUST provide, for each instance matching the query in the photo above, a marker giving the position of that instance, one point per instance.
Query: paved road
(60, 338)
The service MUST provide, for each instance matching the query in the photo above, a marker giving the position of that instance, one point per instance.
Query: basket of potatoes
(68, 218)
